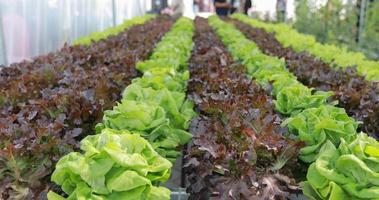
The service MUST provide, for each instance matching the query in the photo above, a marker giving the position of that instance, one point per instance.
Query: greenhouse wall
(40, 26)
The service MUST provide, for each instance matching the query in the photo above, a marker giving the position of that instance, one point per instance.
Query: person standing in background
(203, 5)
(157, 6)
(246, 6)
(234, 6)
(175, 9)
(16, 36)
(241, 6)
(222, 7)
(281, 8)
(196, 6)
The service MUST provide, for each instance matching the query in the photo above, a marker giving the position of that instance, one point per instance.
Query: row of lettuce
(96, 36)
(336, 56)
(344, 164)
(135, 145)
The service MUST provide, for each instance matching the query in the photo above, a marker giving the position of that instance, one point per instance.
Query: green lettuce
(263, 67)
(316, 126)
(297, 97)
(155, 106)
(174, 50)
(148, 119)
(159, 78)
(178, 110)
(138, 139)
(115, 165)
(159, 63)
(291, 95)
(134, 116)
(96, 36)
(350, 171)
(336, 56)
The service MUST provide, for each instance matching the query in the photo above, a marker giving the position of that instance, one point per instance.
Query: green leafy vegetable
(116, 164)
(96, 36)
(136, 141)
(178, 110)
(159, 78)
(154, 105)
(298, 97)
(174, 50)
(315, 126)
(133, 115)
(145, 116)
(291, 95)
(337, 56)
(350, 171)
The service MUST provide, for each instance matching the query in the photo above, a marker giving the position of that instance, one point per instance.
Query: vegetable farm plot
(343, 163)
(358, 96)
(337, 57)
(137, 141)
(250, 114)
(238, 150)
(52, 102)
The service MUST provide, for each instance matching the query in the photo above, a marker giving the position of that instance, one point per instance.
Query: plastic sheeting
(33, 27)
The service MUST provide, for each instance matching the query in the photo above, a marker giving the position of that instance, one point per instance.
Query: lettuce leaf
(297, 97)
(178, 110)
(173, 50)
(348, 172)
(134, 116)
(115, 163)
(315, 126)
(160, 116)
(167, 77)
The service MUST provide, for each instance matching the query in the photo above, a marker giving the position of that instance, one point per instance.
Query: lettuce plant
(96, 36)
(298, 97)
(336, 56)
(350, 171)
(160, 116)
(114, 165)
(159, 78)
(173, 50)
(133, 115)
(316, 126)
(178, 110)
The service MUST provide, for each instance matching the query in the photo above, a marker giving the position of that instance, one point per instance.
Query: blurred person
(246, 6)
(234, 6)
(157, 6)
(196, 6)
(204, 5)
(222, 7)
(175, 9)
(281, 7)
(16, 37)
(240, 6)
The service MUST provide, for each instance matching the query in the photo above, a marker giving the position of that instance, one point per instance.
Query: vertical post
(362, 11)
(114, 12)
(3, 52)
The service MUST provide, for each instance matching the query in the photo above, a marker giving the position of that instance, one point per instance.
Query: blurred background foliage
(353, 24)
